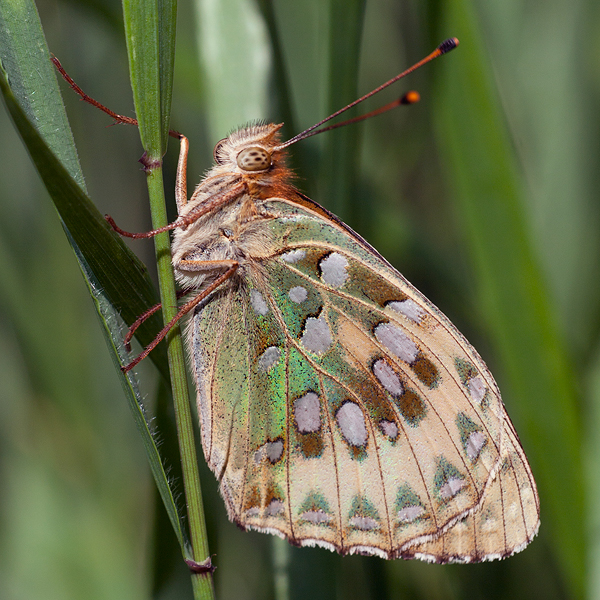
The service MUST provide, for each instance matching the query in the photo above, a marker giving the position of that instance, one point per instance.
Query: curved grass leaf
(117, 280)
(23, 46)
(489, 197)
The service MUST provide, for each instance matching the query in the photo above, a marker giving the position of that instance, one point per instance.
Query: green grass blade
(150, 32)
(340, 155)
(118, 282)
(593, 477)
(113, 332)
(235, 59)
(539, 384)
(23, 48)
(167, 20)
(142, 35)
(35, 90)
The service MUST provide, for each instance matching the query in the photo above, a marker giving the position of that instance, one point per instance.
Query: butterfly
(338, 406)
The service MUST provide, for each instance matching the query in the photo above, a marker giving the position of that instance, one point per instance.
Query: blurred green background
(483, 195)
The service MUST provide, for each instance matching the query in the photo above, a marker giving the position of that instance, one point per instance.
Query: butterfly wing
(340, 408)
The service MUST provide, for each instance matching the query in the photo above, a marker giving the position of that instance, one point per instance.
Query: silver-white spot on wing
(316, 336)
(363, 523)
(475, 443)
(275, 507)
(333, 269)
(272, 450)
(396, 341)
(387, 377)
(293, 256)
(259, 304)
(298, 294)
(351, 421)
(316, 516)
(389, 428)
(307, 413)
(269, 357)
(477, 389)
(451, 488)
(410, 513)
(409, 308)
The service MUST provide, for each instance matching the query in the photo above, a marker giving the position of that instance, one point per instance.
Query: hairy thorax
(237, 231)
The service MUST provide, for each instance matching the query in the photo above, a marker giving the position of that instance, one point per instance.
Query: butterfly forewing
(340, 408)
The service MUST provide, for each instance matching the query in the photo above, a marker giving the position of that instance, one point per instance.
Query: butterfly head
(254, 154)
(250, 149)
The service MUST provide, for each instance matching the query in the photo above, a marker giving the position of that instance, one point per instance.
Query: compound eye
(254, 158)
(217, 155)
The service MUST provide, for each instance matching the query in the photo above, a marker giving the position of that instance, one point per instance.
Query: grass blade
(340, 155)
(150, 32)
(118, 282)
(490, 199)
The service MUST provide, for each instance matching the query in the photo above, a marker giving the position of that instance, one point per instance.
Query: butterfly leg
(217, 201)
(230, 265)
(119, 119)
(181, 178)
(144, 316)
(211, 204)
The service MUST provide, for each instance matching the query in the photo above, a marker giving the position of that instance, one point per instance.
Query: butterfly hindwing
(340, 408)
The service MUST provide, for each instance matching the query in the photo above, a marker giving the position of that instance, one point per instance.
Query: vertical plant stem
(281, 566)
(201, 582)
(150, 34)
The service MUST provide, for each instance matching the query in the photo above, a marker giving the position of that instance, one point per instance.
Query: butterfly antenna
(409, 98)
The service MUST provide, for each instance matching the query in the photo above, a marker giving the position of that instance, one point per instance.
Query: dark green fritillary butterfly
(338, 406)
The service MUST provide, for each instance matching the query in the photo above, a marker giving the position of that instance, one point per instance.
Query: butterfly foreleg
(181, 177)
(211, 204)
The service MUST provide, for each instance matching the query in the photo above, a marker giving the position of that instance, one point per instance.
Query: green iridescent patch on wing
(267, 375)
(465, 369)
(363, 514)
(294, 296)
(471, 435)
(472, 380)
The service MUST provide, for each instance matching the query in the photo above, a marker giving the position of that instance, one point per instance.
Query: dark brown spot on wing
(412, 407)
(426, 371)
(311, 444)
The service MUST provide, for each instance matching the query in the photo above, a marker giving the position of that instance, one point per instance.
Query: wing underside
(340, 408)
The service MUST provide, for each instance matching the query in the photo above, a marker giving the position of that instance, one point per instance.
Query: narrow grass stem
(201, 582)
